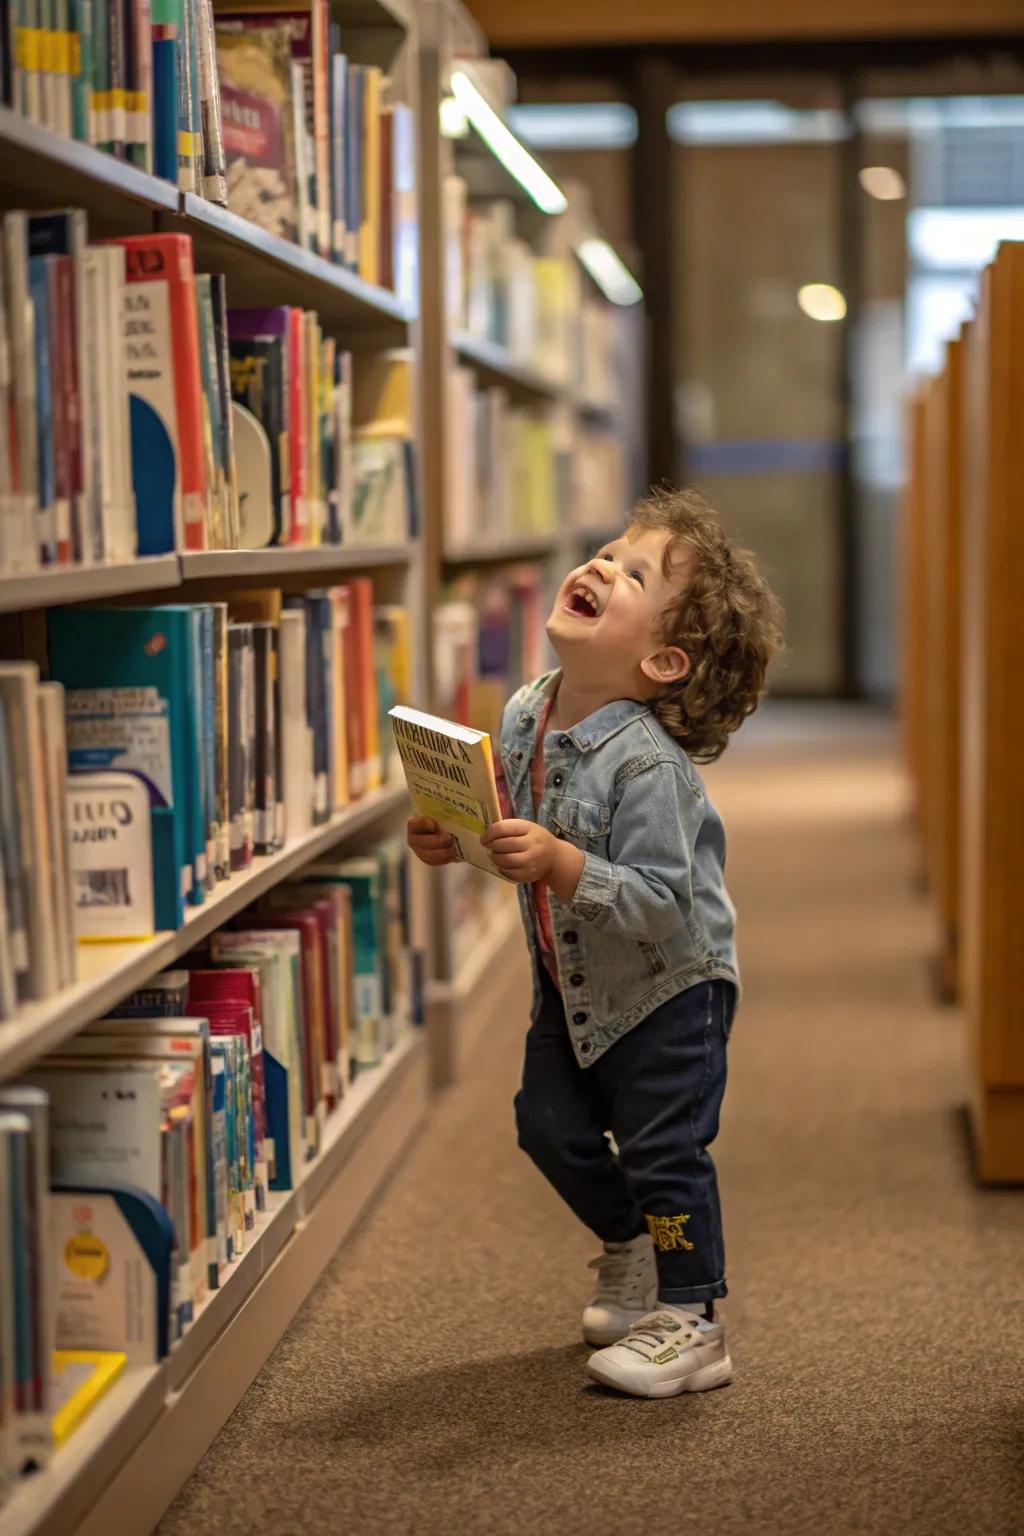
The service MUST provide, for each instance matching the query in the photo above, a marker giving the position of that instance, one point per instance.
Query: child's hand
(429, 844)
(522, 850)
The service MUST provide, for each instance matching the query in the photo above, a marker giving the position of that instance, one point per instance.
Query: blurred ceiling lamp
(504, 146)
(609, 271)
(454, 124)
(883, 182)
(820, 301)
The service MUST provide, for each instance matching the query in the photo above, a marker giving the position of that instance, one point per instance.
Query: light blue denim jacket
(651, 915)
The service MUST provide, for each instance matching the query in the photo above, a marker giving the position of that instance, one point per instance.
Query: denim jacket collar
(590, 733)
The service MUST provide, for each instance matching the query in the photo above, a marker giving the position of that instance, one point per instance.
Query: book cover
(164, 997)
(257, 116)
(111, 857)
(449, 769)
(17, 1099)
(315, 1023)
(219, 304)
(113, 1292)
(164, 379)
(370, 176)
(12, 860)
(30, 1440)
(130, 708)
(222, 772)
(214, 164)
(46, 510)
(215, 476)
(339, 156)
(276, 959)
(239, 743)
(230, 1000)
(21, 542)
(267, 819)
(366, 675)
(355, 146)
(139, 83)
(341, 682)
(66, 412)
(283, 902)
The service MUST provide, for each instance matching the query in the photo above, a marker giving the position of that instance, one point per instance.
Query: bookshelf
(493, 364)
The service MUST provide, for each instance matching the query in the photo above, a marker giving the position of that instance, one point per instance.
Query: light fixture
(609, 271)
(504, 145)
(454, 124)
(820, 301)
(883, 182)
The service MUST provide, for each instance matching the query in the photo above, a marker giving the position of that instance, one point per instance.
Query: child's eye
(637, 576)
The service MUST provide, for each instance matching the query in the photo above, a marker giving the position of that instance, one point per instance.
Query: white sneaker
(667, 1352)
(627, 1288)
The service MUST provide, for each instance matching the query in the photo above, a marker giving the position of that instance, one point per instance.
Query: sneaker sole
(704, 1380)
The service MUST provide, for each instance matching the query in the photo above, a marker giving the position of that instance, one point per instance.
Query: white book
(104, 1123)
(19, 683)
(22, 553)
(296, 734)
(111, 856)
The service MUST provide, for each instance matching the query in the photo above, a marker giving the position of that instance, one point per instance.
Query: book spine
(116, 26)
(369, 226)
(165, 30)
(215, 186)
(187, 387)
(221, 728)
(319, 26)
(385, 241)
(140, 99)
(43, 321)
(209, 742)
(81, 69)
(218, 299)
(297, 427)
(213, 508)
(339, 154)
(186, 86)
(22, 552)
(354, 169)
(65, 405)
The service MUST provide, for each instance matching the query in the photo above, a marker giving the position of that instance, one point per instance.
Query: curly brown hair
(727, 620)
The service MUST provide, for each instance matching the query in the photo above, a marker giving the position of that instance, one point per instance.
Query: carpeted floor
(434, 1382)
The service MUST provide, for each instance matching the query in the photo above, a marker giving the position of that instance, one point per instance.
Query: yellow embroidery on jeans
(667, 1232)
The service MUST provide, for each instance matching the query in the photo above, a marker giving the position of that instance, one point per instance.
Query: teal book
(130, 707)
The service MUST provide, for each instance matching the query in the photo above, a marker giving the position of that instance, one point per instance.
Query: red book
(307, 924)
(163, 320)
(230, 1000)
(386, 234)
(365, 671)
(288, 902)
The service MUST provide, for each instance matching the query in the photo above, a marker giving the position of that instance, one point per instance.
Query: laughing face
(606, 621)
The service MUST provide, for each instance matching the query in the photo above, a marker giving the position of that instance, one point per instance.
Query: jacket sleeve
(645, 884)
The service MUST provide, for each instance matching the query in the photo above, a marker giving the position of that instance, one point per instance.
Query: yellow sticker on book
(86, 1256)
(443, 810)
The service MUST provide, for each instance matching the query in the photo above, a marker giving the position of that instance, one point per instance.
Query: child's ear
(669, 665)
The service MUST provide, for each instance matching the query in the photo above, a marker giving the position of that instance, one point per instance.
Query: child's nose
(604, 569)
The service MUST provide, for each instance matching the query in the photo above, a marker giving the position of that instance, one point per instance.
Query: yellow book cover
(383, 402)
(369, 233)
(255, 605)
(450, 773)
(79, 1378)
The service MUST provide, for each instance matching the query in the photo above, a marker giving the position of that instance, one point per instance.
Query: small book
(450, 773)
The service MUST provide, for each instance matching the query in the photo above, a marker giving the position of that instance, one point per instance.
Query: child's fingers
(506, 845)
(512, 826)
(421, 824)
(435, 857)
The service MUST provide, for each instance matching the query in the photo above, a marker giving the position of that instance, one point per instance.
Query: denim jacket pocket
(581, 820)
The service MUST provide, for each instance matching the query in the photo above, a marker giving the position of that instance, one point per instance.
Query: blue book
(39, 288)
(166, 21)
(128, 673)
(209, 736)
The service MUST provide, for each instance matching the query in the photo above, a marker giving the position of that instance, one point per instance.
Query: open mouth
(582, 603)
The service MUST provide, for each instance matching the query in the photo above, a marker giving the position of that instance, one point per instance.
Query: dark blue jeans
(659, 1091)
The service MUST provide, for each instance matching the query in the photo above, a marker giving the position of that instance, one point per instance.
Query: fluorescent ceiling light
(575, 124)
(820, 301)
(609, 271)
(504, 146)
(453, 120)
(960, 239)
(883, 182)
(753, 122)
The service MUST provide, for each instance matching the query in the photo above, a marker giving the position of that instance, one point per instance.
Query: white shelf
(283, 560)
(87, 583)
(124, 1464)
(109, 972)
(528, 547)
(497, 366)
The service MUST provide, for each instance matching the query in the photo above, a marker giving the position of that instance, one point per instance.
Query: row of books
(174, 745)
(258, 110)
(488, 639)
(596, 492)
(537, 306)
(143, 416)
(503, 466)
(137, 1161)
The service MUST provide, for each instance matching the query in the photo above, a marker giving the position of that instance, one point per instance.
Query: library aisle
(434, 1380)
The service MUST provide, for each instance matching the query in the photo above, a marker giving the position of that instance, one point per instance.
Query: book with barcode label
(111, 856)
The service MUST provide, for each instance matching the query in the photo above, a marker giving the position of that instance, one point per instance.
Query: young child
(663, 639)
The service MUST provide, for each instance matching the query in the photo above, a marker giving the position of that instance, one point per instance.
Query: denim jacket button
(557, 779)
(570, 936)
(585, 1048)
(579, 1019)
(576, 980)
(565, 741)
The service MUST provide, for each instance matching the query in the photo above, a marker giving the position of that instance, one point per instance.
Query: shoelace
(614, 1272)
(650, 1333)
